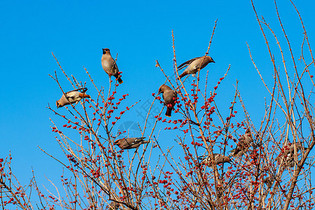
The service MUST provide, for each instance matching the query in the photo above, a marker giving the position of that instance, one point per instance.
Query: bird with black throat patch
(110, 66)
(169, 97)
(194, 65)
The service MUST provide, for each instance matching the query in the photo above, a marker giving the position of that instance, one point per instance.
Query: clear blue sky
(140, 32)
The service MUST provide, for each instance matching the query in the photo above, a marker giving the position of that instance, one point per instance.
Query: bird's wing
(72, 94)
(181, 66)
(115, 65)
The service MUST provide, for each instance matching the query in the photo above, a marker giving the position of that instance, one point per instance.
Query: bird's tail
(120, 80)
(118, 77)
(140, 138)
(116, 142)
(168, 111)
(234, 152)
(183, 74)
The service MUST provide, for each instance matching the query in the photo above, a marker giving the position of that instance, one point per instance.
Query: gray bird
(169, 97)
(73, 96)
(130, 143)
(243, 144)
(195, 65)
(218, 158)
(287, 154)
(109, 65)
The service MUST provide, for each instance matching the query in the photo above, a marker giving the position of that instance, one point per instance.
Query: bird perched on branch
(73, 96)
(287, 153)
(169, 97)
(270, 180)
(218, 158)
(243, 144)
(113, 206)
(195, 65)
(109, 65)
(130, 143)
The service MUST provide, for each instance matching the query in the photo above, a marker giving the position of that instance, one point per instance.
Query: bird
(113, 206)
(73, 96)
(169, 97)
(243, 143)
(110, 66)
(270, 180)
(195, 65)
(218, 158)
(130, 143)
(287, 153)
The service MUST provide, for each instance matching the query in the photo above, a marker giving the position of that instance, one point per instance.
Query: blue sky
(140, 32)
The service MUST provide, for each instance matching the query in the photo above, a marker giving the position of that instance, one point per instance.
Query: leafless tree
(224, 161)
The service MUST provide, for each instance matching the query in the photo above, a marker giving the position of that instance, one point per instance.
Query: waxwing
(109, 65)
(169, 97)
(287, 153)
(243, 144)
(130, 143)
(218, 158)
(73, 96)
(195, 65)
(113, 206)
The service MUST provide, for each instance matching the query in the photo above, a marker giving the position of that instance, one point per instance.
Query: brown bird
(195, 65)
(169, 97)
(109, 65)
(270, 180)
(218, 158)
(287, 154)
(130, 143)
(73, 96)
(243, 144)
(113, 206)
